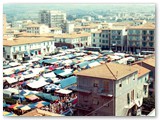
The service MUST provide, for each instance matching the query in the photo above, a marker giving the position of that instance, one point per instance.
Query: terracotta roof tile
(102, 71)
(141, 70)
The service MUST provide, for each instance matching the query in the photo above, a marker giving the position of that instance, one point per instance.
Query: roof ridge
(110, 71)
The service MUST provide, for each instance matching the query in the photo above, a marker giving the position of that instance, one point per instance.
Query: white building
(19, 47)
(52, 18)
(37, 28)
(73, 40)
(69, 27)
(56, 30)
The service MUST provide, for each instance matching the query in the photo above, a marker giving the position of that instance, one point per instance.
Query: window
(106, 36)
(25, 47)
(120, 83)
(103, 41)
(103, 35)
(93, 34)
(145, 89)
(144, 44)
(19, 48)
(100, 35)
(93, 40)
(14, 49)
(100, 40)
(95, 101)
(128, 98)
(95, 85)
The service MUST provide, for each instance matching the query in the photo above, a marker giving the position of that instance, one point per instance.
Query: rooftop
(72, 35)
(141, 70)
(38, 112)
(23, 40)
(150, 61)
(102, 71)
(144, 26)
(35, 25)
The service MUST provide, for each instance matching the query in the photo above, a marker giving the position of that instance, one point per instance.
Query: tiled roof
(102, 71)
(150, 61)
(141, 70)
(22, 40)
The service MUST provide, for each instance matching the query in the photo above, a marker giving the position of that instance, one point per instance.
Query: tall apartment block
(141, 38)
(110, 38)
(52, 18)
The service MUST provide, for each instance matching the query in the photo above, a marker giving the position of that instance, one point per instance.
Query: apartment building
(111, 38)
(56, 30)
(37, 29)
(141, 38)
(149, 63)
(52, 18)
(17, 48)
(111, 90)
(73, 40)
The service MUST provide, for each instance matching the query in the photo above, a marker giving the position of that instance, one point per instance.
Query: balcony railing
(82, 90)
(102, 92)
(84, 107)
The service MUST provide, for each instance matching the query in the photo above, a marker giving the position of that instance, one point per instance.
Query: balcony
(82, 90)
(84, 107)
(104, 93)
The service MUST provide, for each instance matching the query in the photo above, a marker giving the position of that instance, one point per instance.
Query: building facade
(37, 29)
(20, 47)
(109, 39)
(73, 40)
(111, 90)
(141, 38)
(52, 18)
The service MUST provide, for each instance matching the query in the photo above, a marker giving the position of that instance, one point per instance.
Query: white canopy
(94, 64)
(63, 91)
(37, 84)
(29, 75)
(51, 74)
(120, 54)
(12, 90)
(14, 64)
(10, 80)
(8, 71)
(115, 57)
(87, 58)
(20, 68)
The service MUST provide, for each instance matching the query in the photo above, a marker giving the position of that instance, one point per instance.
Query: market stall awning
(68, 81)
(63, 91)
(83, 64)
(37, 84)
(58, 71)
(32, 52)
(10, 80)
(48, 97)
(5, 113)
(26, 53)
(31, 97)
(50, 61)
(49, 75)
